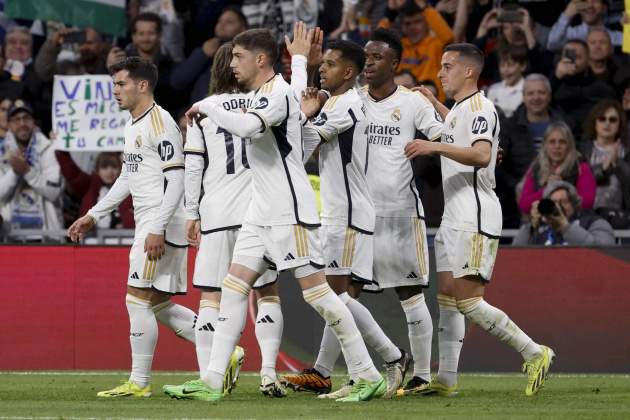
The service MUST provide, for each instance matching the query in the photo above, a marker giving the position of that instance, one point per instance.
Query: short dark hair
(576, 41)
(146, 17)
(259, 40)
(349, 51)
(389, 38)
(469, 51)
(516, 53)
(410, 9)
(409, 73)
(138, 68)
(237, 11)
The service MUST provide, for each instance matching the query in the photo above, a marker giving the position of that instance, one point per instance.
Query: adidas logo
(289, 257)
(265, 320)
(207, 327)
(135, 276)
(412, 275)
(333, 264)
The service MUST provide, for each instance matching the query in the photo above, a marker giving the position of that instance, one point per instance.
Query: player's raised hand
(302, 40)
(419, 148)
(193, 232)
(426, 92)
(154, 246)
(80, 227)
(310, 104)
(316, 53)
(192, 113)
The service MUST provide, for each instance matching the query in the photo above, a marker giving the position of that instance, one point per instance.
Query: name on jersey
(132, 160)
(239, 103)
(381, 134)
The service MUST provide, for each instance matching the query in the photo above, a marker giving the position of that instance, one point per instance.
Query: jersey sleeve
(334, 118)
(168, 142)
(271, 105)
(426, 118)
(482, 121)
(195, 144)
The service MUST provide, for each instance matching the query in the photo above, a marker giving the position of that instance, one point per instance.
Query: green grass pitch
(73, 395)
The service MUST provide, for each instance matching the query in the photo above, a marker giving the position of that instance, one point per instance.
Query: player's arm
(193, 172)
(478, 155)
(116, 194)
(242, 125)
(441, 109)
(170, 149)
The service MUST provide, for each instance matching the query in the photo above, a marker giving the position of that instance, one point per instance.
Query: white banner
(85, 114)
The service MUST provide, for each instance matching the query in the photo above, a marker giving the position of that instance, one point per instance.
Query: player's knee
(339, 284)
(406, 292)
(270, 290)
(354, 290)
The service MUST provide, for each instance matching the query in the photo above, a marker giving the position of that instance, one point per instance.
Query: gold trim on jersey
(330, 103)
(301, 241)
(194, 150)
(268, 87)
(476, 104)
(476, 252)
(156, 121)
(150, 268)
(422, 264)
(349, 246)
(173, 165)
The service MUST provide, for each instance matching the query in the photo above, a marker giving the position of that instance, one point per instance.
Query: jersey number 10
(229, 151)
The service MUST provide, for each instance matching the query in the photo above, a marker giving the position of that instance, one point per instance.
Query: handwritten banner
(85, 114)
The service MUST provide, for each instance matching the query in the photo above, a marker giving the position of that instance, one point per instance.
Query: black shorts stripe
(265, 285)
(172, 168)
(205, 232)
(207, 288)
(175, 245)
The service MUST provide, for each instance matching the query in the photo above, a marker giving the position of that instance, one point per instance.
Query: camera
(509, 14)
(76, 37)
(571, 54)
(547, 207)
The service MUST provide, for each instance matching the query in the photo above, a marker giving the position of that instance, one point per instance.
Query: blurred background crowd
(554, 68)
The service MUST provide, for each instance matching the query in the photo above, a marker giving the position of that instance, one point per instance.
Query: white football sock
(178, 318)
(338, 317)
(230, 324)
(329, 351)
(497, 323)
(370, 330)
(269, 324)
(451, 332)
(204, 332)
(143, 333)
(420, 328)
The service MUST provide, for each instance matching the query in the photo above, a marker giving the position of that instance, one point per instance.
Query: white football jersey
(342, 158)
(390, 124)
(226, 178)
(282, 194)
(470, 203)
(153, 145)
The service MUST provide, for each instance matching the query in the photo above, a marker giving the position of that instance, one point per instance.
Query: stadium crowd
(554, 69)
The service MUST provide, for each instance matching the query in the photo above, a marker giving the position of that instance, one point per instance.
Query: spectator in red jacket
(558, 160)
(92, 188)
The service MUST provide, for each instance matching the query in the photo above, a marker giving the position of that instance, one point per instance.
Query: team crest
(396, 115)
(138, 142)
(321, 119)
(453, 122)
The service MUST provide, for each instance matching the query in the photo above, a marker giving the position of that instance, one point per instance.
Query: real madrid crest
(396, 115)
(138, 142)
(453, 122)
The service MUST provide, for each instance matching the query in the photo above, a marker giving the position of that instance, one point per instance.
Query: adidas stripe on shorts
(168, 274)
(287, 246)
(465, 253)
(401, 257)
(213, 261)
(348, 252)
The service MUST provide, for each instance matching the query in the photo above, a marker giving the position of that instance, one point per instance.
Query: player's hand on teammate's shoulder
(302, 40)
(154, 245)
(80, 227)
(419, 148)
(310, 103)
(192, 113)
(193, 232)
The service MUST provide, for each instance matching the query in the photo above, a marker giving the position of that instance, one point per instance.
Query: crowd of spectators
(554, 69)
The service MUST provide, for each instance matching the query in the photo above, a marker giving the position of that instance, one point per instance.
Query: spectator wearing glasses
(557, 160)
(30, 180)
(608, 153)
